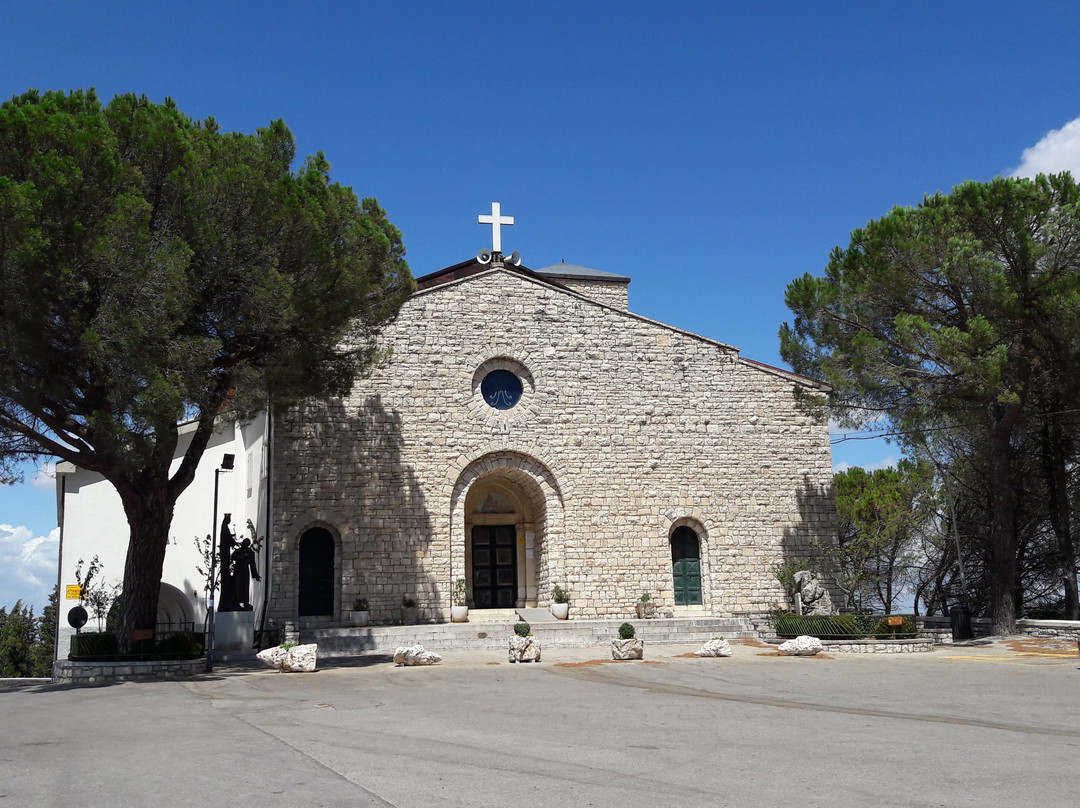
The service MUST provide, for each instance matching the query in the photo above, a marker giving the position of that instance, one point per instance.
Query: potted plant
(360, 614)
(524, 647)
(627, 646)
(560, 603)
(646, 607)
(410, 615)
(459, 611)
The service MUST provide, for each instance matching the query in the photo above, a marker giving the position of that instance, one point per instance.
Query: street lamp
(227, 461)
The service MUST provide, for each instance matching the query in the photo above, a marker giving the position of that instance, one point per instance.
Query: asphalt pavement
(987, 724)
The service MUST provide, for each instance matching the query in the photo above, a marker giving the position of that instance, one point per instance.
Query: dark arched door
(316, 594)
(686, 566)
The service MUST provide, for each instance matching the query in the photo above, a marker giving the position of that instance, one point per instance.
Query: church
(526, 430)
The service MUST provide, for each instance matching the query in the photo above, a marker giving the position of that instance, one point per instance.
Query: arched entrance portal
(507, 516)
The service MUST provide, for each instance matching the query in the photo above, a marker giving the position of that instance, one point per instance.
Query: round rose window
(501, 389)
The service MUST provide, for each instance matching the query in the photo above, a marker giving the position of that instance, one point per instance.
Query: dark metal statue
(227, 545)
(244, 570)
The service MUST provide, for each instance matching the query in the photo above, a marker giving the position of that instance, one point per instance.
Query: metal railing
(846, 626)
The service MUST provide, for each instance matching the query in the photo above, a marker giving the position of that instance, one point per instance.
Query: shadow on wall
(807, 539)
(339, 470)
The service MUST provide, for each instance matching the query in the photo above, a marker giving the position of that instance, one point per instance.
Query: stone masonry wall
(611, 293)
(626, 429)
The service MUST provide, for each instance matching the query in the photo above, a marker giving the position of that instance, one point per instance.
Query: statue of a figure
(244, 570)
(815, 597)
(226, 544)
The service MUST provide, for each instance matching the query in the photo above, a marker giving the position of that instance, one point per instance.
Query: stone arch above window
(503, 388)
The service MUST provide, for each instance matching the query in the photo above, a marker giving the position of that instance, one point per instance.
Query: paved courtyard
(992, 724)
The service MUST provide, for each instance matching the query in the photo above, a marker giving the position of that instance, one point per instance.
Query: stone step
(337, 642)
(502, 616)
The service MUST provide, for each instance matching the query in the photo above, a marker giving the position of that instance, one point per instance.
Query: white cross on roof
(496, 220)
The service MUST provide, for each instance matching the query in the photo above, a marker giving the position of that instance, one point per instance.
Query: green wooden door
(494, 566)
(686, 567)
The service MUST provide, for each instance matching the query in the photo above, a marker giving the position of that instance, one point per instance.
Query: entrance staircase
(492, 629)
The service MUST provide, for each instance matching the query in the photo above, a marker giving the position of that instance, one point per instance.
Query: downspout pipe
(267, 570)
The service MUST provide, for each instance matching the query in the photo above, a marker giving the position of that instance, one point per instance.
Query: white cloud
(27, 566)
(1058, 151)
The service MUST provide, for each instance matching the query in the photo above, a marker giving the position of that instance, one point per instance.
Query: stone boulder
(524, 649)
(628, 649)
(801, 646)
(274, 657)
(415, 655)
(714, 648)
(298, 659)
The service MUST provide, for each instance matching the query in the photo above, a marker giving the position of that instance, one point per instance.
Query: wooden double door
(494, 566)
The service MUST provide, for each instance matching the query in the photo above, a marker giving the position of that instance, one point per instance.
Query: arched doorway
(175, 612)
(686, 566)
(316, 573)
(506, 494)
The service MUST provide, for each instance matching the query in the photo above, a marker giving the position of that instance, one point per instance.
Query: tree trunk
(149, 513)
(1053, 451)
(1002, 528)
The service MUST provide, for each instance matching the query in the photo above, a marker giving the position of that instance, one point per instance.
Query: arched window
(317, 577)
(686, 566)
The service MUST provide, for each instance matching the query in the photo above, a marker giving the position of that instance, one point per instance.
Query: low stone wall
(939, 629)
(917, 645)
(1059, 629)
(95, 673)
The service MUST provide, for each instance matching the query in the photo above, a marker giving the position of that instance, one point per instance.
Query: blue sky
(711, 151)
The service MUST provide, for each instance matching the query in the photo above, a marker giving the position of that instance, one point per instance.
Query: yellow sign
(896, 621)
(73, 592)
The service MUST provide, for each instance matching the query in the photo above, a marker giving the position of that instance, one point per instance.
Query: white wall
(92, 519)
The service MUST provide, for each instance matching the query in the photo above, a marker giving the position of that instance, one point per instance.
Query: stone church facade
(526, 431)
(529, 431)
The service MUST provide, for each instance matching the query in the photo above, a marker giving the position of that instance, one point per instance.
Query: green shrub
(522, 629)
(560, 595)
(94, 645)
(181, 645)
(460, 593)
(785, 574)
(626, 632)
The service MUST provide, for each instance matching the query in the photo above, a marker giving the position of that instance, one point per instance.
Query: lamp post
(227, 461)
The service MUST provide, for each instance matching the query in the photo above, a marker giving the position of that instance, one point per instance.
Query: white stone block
(415, 655)
(714, 648)
(524, 649)
(802, 646)
(628, 649)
